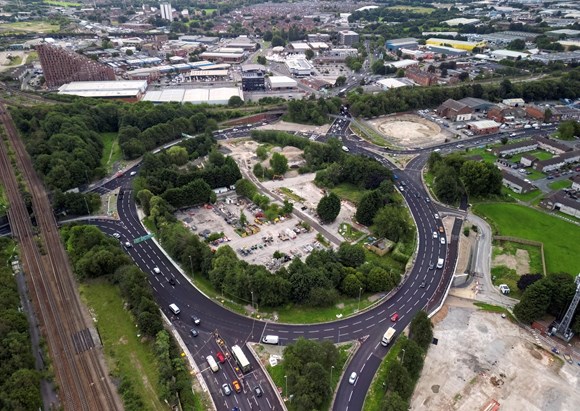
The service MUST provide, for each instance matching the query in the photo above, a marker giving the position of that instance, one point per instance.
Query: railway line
(76, 354)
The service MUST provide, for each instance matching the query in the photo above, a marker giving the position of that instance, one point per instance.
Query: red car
(220, 357)
(395, 317)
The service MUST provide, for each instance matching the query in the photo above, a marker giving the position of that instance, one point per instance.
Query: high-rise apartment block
(347, 37)
(166, 13)
(61, 66)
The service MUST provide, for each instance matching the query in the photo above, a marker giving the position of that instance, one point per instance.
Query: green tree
(445, 186)
(517, 44)
(351, 255)
(246, 188)
(421, 330)
(235, 101)
(378, 67)
(393, 402)
(534, 302)
(392, 223)
(368, 207)
(287, 207)
(328, 208)
(309, 54)
(261, 60)
(351, 285)
(262, 152)
(178, 155)
(279, 163)
(567, 130)
(412, 359)
(278, 41)
(398, 380)
(340, 81)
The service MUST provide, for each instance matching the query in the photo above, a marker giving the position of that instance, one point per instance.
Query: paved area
(481, 357)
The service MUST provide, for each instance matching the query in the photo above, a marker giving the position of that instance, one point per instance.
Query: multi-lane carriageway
(367, 327)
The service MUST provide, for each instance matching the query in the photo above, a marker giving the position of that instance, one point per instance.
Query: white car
(352, 379)
(132, 173)
(156, 270)
(435, 234)
(116, 235)
(442, 240)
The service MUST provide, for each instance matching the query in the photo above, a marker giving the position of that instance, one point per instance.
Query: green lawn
(559, 185)
(495, 309)
(487, 156)
(291, 195)
(350, 192)
(125, 353)
(111, 150)
(423, 10)
(349, 232)
(31, 27)
(62, 3)
(277, 373)
(522, 197)
(560, 237)
(376, 392)
(370, 135)
(540, 154)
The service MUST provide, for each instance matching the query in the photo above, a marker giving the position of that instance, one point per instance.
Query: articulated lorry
(388, 337)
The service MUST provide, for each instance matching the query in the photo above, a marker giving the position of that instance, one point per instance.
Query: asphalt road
(368, 327)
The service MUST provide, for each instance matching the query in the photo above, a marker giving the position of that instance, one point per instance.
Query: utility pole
(191, 263)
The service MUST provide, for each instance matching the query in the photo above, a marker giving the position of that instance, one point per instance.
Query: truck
(388, 337)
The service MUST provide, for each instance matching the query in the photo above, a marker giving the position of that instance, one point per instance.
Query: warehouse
(460, 21)
(406, 43)
(389, 83)
(219, 95)
(223, 57)
(565, 57)
(483, 127)
(448, 51)
(281, 83)
(129, 90)
(299, 67)
(508, 55)
(403, 64)
(456, 44)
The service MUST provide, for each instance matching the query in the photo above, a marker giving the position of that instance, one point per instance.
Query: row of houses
(547, 144)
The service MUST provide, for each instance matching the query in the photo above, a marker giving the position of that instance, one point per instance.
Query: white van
(271, 339)
(345, 149)
(212, 364)
(174, 309)
(440, 262)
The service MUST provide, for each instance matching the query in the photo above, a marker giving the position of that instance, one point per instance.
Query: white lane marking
(356, 323)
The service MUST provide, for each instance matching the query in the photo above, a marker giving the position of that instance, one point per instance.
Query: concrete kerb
(270, 380)
(349, 358)
(189, 357)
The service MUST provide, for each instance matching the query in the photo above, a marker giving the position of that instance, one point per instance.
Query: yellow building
(456, 44)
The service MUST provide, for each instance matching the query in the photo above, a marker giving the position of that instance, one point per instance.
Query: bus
(240, 358)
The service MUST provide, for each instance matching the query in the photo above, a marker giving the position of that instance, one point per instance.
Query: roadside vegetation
(395, 380)
(19, 380)
(147, 364)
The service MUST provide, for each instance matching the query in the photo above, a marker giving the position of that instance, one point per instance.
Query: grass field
(125, 353)
(31, 27)
(560, 237)
(376, 392)
(486, 155)
(495, 309)
(540, 154)
(349, 232)
(522, 197)
(15, 61)
(559, 185)
(62, 3)
(3, 200)
(350, 192)
(111, 150)
(291, 194)
(32, 56)
(423, 10)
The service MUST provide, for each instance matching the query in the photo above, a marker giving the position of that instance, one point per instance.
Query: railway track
(79, 368)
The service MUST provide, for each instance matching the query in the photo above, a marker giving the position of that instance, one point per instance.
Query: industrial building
(406, 43)
(219, 95)
(223, 57)
(402, 64)
(460, 21)
(456, 44)
(483, 127)
(389, 83)
(128, 90)
(166, 12)
(508, 55)
(281, 83)
(318, 37)
(348, 37)
(61, 66)
(565, 57)
(454, 110)
(423, 78)
(299, 67)
(448, 51)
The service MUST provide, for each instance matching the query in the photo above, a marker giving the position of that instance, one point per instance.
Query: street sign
(140, 239)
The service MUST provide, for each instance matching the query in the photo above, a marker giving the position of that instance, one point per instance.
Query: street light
(252, 299)
(191, 263)
(286, 378)
(403, 357)
(331, 368)
(359, 293)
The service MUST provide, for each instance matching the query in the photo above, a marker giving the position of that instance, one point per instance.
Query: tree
(328, 208)
(445, 185)
(243, 219)
(421, 330)
(392, 223)
(267, 35)
(129, 52)
(517, 44)
(400, 73)
(534, 302)
(412, 359)
(246, 188)
(399, 381)
(261, 60)
(235, 101)
(279, 163)
(351, 255)
(547, 115)
(278, 41)
(393, 402)
(309, 54)
(287, 207)
(368, 207)
(340, 81)
(144, 198)
(567, 130)
(504, 140)
(262, 152)
(528, 279)
(178, 155)
(378, 67)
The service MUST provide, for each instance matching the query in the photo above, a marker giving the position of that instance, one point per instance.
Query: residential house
(560, 201)
(515, 183)
(558, 162)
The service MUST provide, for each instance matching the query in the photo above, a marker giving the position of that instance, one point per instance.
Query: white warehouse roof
(509, 53)
(282, 82)
(127, 88)
(389, 83)
(403, 63)
(220, 95)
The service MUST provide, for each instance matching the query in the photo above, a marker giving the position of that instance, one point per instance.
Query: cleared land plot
(424, 10)
(30, 27)
(409, 130)
(482, 357)
(560, 237)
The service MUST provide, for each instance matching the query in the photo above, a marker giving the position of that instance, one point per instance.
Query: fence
(527, 242)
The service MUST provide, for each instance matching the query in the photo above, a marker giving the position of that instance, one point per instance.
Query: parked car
(194, 332)
(195, 319)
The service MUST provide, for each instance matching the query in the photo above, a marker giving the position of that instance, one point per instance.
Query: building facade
(348, 37)
(166, 13)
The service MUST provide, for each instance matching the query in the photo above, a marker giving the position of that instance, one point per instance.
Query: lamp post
(286, 392)
(359, 294)
(403, 357)
(191, 264)
(331, 369)
(252, 292)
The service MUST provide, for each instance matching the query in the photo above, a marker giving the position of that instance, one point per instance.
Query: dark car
(194, 332)
(258, 391)
(422, 285)
(171, 280)
(431, 266)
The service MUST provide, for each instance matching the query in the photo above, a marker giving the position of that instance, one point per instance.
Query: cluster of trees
(405, 98)
(454, 176)
(278, 164)
(163, 174)
(19, 381)
(402, 375)
(93, 255)
(312, 111)
(328, 208)
(308, 364)
(567, 130)
(547, 295)
(75, 203)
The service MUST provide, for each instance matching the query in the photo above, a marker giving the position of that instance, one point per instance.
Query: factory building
(404, 43)
(456, 44)
(123, 90)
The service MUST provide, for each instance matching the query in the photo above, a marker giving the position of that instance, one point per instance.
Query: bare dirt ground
(519, 262)
(303, 128)
(481, 357)
(5, 62)
(409, 130)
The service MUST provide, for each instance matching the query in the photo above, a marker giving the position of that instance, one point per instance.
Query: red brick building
(422, 78)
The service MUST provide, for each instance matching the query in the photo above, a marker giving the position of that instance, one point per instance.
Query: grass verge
(350, 192)
(502, 274)
(369, 135)
(111, 150)
(376, 392)
(126, 354)
(560, 237)
(291, 195)
(495, 309)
